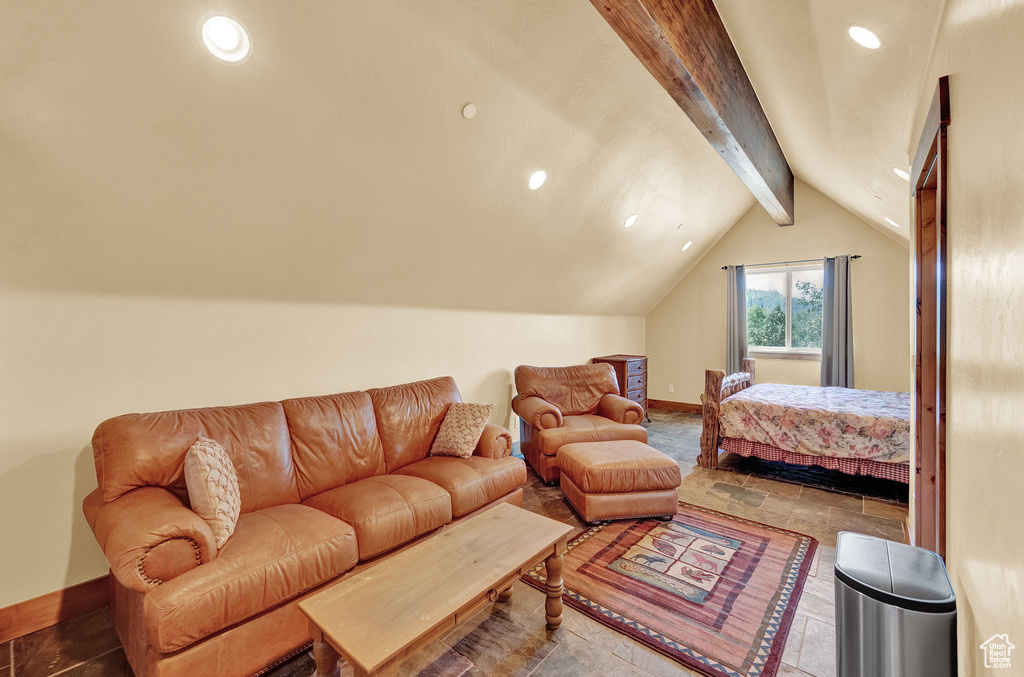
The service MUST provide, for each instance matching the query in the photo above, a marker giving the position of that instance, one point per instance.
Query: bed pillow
(213, 487)
(461, 429)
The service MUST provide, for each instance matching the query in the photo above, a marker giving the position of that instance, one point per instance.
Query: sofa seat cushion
(617, 467)
(587, 428)
(472, 482)
(274, 555)
(386, 511)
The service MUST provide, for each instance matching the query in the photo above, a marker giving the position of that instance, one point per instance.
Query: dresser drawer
(643, 405)
(636, 367)
(636, 382)
(638, 396)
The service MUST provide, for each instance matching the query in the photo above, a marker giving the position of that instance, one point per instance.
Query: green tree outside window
(766, 314)
(807, 316)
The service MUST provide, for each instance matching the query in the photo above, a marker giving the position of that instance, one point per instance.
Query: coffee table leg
(324, 655)
(505, 595)
(553, 604)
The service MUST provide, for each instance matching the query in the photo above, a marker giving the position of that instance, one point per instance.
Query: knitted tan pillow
(461, 429)
(213, 487)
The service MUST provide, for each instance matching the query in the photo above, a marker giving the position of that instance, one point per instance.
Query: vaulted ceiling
(334, 165)
(843, 113)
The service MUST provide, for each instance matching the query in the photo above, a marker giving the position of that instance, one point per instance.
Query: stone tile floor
(509, 639)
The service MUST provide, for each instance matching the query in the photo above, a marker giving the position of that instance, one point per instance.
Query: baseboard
(41, 612)
(674, 406)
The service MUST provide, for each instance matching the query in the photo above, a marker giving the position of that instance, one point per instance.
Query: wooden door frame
(928, 181)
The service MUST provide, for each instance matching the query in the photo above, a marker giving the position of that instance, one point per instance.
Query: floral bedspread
(839, 422)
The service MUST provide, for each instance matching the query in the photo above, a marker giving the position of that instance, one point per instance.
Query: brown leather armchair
(563, 405)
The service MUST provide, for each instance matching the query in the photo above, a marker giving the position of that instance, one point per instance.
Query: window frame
(789, 352)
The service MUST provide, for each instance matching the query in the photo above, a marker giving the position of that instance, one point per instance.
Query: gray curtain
(736, 324)
(837, 325)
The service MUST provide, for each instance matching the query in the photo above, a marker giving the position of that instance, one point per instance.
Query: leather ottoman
(622, 479)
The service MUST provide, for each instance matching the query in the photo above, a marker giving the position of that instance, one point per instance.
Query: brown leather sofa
(564, 405)
(328, 485)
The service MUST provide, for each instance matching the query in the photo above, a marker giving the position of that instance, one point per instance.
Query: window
(784, 310)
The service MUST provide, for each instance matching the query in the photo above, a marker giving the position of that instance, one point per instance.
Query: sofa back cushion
(409, 416)
(139, 450)
(335, 441)
(575, 390)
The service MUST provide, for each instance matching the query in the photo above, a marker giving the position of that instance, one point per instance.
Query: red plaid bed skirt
(899, 472)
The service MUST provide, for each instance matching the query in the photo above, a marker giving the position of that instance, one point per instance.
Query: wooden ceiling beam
(685, 46)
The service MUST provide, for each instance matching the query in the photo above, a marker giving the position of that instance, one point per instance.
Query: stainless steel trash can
(895, 610)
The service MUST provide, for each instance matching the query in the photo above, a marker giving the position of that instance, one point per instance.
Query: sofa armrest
(148, 536)
(495, 442)
(620, 410)
(538, 412)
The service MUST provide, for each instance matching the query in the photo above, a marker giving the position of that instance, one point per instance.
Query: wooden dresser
(631, 371)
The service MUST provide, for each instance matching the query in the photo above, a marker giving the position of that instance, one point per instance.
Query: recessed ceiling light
(891, 222)
(687, 245)
(902, 173)
(537, 179)
(225, 38)
(468, 111)
(865, 38)
(630, 220)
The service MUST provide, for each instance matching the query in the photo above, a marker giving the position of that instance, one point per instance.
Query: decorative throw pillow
(461, 429)
(213, 487)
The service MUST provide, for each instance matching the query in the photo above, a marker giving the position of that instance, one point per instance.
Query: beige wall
(686, 331)
(980, 48)
(70, 361)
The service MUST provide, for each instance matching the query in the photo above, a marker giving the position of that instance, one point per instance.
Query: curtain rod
(780, 263)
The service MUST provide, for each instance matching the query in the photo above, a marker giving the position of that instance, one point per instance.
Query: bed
(857, 432)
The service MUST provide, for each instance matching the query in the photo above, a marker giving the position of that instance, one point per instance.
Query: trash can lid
(894, 573)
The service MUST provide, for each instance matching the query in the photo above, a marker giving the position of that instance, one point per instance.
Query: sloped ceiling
(334, 165)
(842, 113)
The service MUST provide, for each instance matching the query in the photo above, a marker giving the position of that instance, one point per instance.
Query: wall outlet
(671, 389)
(515, 422)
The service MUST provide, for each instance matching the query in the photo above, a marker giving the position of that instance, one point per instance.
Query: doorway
(928, 179)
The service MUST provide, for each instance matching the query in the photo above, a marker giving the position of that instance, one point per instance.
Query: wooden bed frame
(717, 387)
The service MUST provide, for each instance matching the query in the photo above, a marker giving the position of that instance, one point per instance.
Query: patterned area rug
(714, 592)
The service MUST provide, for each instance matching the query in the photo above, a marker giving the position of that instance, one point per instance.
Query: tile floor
(509, 639)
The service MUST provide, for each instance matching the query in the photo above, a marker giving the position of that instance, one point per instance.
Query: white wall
(980, 48)
(686, 331)
(70, 361)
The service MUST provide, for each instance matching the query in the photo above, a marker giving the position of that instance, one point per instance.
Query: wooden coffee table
(376, 618)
